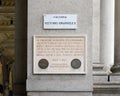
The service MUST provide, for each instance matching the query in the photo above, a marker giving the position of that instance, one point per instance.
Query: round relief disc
(43, 63)
(75, 63)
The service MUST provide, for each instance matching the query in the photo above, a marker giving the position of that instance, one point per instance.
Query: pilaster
(116, 67)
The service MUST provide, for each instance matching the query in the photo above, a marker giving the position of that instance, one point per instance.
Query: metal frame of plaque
(59, 54)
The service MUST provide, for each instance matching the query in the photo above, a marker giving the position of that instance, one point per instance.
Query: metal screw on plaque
(75, 63)
(43, 63)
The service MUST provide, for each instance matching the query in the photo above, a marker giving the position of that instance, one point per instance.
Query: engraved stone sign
(59, 55)
(60, 21)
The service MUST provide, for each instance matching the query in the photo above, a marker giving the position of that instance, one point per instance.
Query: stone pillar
(20, 69)
(96, 31)
(116, 67)
(97, 68)
(107, 33)
(59, 83)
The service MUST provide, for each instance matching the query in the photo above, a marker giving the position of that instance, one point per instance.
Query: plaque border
(62, 73)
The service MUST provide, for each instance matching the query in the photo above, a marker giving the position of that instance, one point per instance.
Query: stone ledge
(115, 77)
(58, 85)
(100, 79)
(100, 73)
(107, 87)
(98, 66)
(59, 94)
(98, 70)
(101, 84)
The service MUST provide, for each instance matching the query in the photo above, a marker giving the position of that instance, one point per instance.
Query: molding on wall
(109, 87)
(106, 83)
(98, 70)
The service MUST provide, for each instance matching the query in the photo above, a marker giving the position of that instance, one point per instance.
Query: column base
(115, 68)
(59, 94)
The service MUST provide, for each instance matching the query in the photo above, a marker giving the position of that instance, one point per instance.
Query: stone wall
(104, 85)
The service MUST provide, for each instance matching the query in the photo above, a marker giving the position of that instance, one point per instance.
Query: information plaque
(60, 21)
(59, 55)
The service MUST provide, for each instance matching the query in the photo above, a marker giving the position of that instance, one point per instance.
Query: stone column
(116, 67)
(97, 66)
(107, 33)
(20, 67)
(96, 31)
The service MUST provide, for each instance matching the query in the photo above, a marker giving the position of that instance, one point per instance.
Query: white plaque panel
(59, 55)
(60, 21)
